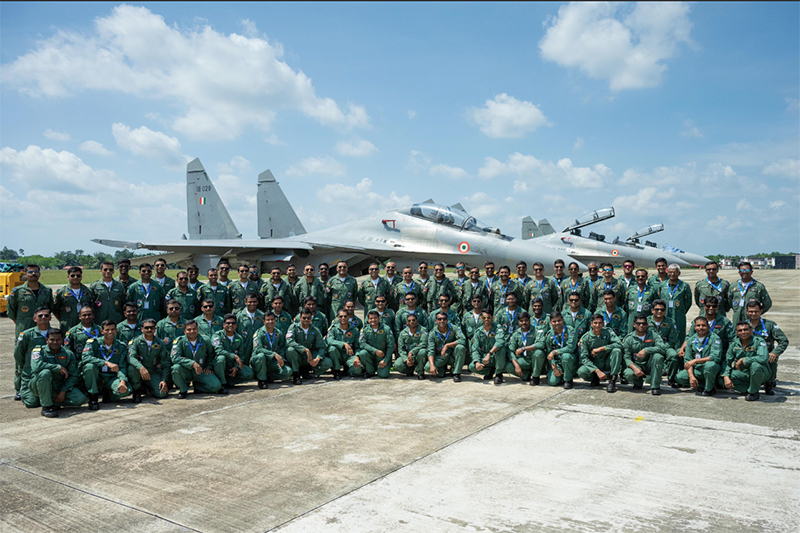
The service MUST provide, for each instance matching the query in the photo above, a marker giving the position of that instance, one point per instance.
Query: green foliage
(7, 254)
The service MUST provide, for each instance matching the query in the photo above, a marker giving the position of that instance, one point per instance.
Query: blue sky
(681, 114)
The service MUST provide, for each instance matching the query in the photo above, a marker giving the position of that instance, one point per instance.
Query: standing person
(471, 321)
(194, 272)
(474, 287)
(54, 375)
(713, 287)
(166, 282)
(277, 286)
(387, 315)
(411, 346)
(678, 296)
(341, 289)
(446, 346)
(309, 285)
(575, 284)
(268, 357)
(543, 288)
(592, 281)
(488, 350)
(104, 366)
(194, 361)
(324, 276)
(149, 364)
(640, 297)
(558, 345)
(702, 359)
(609, 283)
(23, 300)
(248, 321)
(255, 276)
(124, 266)
(408, 286)
(668, 331)
(170, 328)
(507, 317)
(393, 279)
(26, 342)
(601, 355)
(424, 282)
(643, 354)
(745, 290)
(185, 296)
(558, 279)
(522, 281)
(458, 285)
(130, 328)
(772, 334)
(70, 299)
(241, 288)
(109, 295)
(660, 277)
(224, 268)
(217, 293)
(438, 286)
(502, 288)
(148, 296)
(77, 336)
(373, 287)
(747, 363)
(628, 276)
(293, 304)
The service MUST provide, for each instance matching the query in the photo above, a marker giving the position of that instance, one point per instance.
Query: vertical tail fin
(529, 229)
(276, 217)
(206, 215)
(545, 228)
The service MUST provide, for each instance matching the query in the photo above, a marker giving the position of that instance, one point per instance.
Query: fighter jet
(423, 231)
(594, 246)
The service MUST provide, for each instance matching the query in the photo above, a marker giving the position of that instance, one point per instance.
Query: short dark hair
(54, 331)
(597, 316)
(148, 320)
(107, 322)
(374, 312)
(754, 303)
(145, 265)
(74, 269)
(659, 302)
(190, 322)
(129, 304)
(556, 314)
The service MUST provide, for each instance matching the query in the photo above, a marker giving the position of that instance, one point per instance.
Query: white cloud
(368, 202)
(789, 168)
(94, 147)
(448, 172)
(221, 84)
(743, 205)
(506, 117)
(777, 204)
(715, 180)
(722, 225)
(481, 205)
(411, 114)
(641, 202)
(418, 161)
(532, 171)
(237, 164)
(323, 166)
(691, 130)
(153, 145)
(56, 135)
(609, 41)
(579, 143)
(273, 140)
(355, 148)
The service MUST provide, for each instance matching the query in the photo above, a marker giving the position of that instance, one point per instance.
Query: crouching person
(269, 353)
(747, 363)
(306, 349)
(411, 349)
(377, 345)
(643, 351)
(601, 355)
(104, 364)
(149, 364)
(229, 344)
(446, 346)
(194, 361)
(521, 351)
(488, 349)
(342, 341)
(54, 375)
(558, 345)
(701, 361)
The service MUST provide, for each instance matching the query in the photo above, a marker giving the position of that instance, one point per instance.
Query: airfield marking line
(103, 498)
(416, 460)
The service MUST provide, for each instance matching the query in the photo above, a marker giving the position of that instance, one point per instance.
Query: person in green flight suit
(130, 328)
(522, 281)
(376, 345)
(439, 285)
(443, 305)
(639, 297)
(601, 355)
(194, 361)
(292, 303)
(458, 284)
(717, 324)
(660, 277)
(109, 295)
(503, 287)
(474, 287)
(306, 349)
(576, 317)
(70, 299)
(124, 266)
(310, 285)
(149, 363)
(408, 286)
(575, 283)
(24, 299)
(666, 328)
(772, 334)
(388, 316)
(446, 346)
(54, 375)
(147, 295)
(230, 344)
(241, 288)
(190, 303)
(424, 281)
(394, 279)
(747, 363)
(166, 282)
(643, 354)
(411, 349)
(488, 350)
(319, 320)
(615, 317)
(283, 320)
(540, 321)
(544, 288)
(342, 341)
(678, 296)
(341, 288)
(558, 279)
(104, 366)
(268, 358)
(521, 352)
(507, 317)
(216, 292)
(713, 287)
(373, 287)
(249, 320)
(703, 358)
(209, 322)
(194, 283)
(26, 342)
(608, 283)
(747, 289)
(77, 336)
(471, 321)
(558, 345)
(170, 328)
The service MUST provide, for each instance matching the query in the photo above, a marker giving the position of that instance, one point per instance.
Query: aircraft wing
(210, 246)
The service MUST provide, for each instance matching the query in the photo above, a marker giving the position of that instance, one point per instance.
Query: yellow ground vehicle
(9, 280)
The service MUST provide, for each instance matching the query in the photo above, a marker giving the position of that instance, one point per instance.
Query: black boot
(769, 388)
(612, 384)
(457, 378)
(674, 384)
(568, 384)
(337, 375)
(49, 412)
(93, 404)
(420, 376)
(536, 380)
(752, 397)
(489, 376)
(296, 379)
(262, 384)
(498, 379)
(595, 380)
(137, 396)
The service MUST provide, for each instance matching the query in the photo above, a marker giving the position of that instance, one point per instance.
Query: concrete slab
(401, 454)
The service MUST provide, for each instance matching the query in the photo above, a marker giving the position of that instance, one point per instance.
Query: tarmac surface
(408, 455)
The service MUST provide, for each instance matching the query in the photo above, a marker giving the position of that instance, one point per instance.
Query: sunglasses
(145, 271)
(42, 316)
(145, 328)
(207, 306)
(32, 272)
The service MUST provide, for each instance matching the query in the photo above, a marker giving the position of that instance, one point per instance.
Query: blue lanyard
(78, 296)
(744, 289)
(641, 292)
(524, 283)
(540, 284)
(109, 356)
(524, 335)
(712, 325)
(763, 333)
(607, 317)
(538, 321)
(89, 333)
(147, 294)
(574, 287)
(718, 287)
(560, 342)
(446, 335)
(673, 291)
(510, 317)
(607, 286)
(195, 348)
(270, 338)
(488, 285)
(411, 287)
(696, 344)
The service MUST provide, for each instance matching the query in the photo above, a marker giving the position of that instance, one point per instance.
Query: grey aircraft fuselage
(587, 250)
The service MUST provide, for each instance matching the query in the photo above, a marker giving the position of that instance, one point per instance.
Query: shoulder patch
(89, 341)
(175, 341)
(130, 343)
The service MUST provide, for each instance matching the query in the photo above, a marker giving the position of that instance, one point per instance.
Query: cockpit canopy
(449, 216)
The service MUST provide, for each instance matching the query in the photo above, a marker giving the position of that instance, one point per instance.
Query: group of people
(123, 336)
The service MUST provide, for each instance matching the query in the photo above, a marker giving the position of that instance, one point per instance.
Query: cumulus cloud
(94, 147)
(579, 143)
(722, 225)
(321, 166)
(506, 117)
(361, 198)
(715, 179)
(418, 161)
(237, 164)
(448, 172)
(221, 84)
(610, 41)
(56, 135)
(531, 171)
(691, 130)
(777, 204)
(355, 148)
(153, 145)
(481, 205)
(788, 168)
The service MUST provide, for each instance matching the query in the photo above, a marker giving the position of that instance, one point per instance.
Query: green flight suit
(669, 334)
(47, 381)
(283, 322)
(220, 295)
(336, 339)
(508, 320)
(109, 301)
(190, 305)
(565, 359)
(772, 333)
(369, 291)
(167, 283)
(525, 302)
(581, 287)
(609, 361)
(401, 317)
(706, 373)
(639, 302)
(415, 344)
(541, 324)
(479, 346)
(127, 283)
(522, 339)
(471, 290)
(293, 305)
(579, 322)
(400, 291)
(371, 341)
(393, 304)
(155, 359)
(600, 287)
(126, 333)
(208, 327)
(150, 303)
(458, 286)
(425, 285)
(652, 363)
(316, 288)
(724, 330)
(500, 291)
(297, 341)
(616, 321)
(755, 371)
(436, 288)
(655, 282)
(168, 331)
(265, 347)
(357, 322)
(592, 284)
(470, 323)
(247, 327)
(26, 342)
(196, 287)
(740, 295)
(67, 305)
(96, 375)
(22, 302)
(230, 349)
(319, 321)
(77, 336)
(340, 291)
(705, 289)
(388, 320)
(239, 293)
(562, 298)
(184, 355)
(452, 319)
(545, 289)
(679, 300)
(454, 357)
